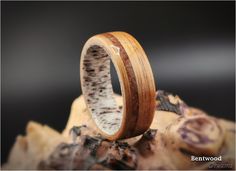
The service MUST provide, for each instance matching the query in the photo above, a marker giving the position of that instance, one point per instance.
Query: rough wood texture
(177, 132)
(38, 143)
(136, 79)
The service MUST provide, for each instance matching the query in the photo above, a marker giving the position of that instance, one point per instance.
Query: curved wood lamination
(136, 81)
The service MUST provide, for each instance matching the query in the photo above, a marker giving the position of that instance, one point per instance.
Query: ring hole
(115, 80)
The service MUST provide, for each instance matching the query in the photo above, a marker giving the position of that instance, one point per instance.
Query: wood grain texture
(136, 82)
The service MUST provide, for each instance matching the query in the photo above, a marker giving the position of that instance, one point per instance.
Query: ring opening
(98, 90)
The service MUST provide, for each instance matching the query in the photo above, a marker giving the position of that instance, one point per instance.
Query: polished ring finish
(136, 82)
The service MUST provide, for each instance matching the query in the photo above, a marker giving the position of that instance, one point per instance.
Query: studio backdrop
(190, 46)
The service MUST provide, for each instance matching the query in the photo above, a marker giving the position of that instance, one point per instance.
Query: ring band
(136, 82)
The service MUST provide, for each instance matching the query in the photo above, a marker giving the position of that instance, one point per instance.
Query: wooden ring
(136, 82)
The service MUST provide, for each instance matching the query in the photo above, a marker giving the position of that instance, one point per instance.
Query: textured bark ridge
(191, 134)
(177, 133)
(170, 103)
(92, 152)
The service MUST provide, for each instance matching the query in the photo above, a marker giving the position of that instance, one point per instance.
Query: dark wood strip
(131, 77)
